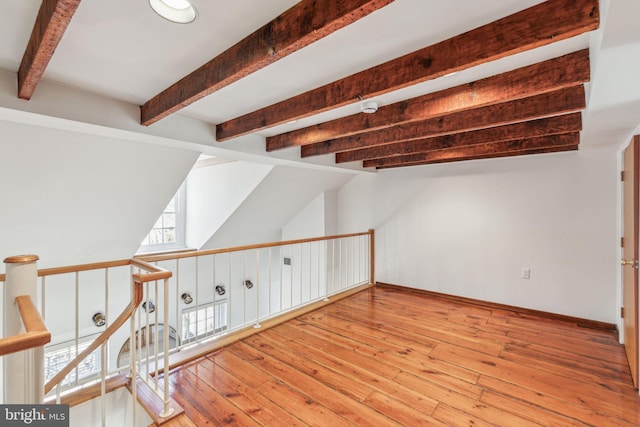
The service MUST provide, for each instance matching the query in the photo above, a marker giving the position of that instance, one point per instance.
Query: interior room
(466, 151)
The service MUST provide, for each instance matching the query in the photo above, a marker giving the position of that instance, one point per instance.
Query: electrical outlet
(287, 260)
(525, 273)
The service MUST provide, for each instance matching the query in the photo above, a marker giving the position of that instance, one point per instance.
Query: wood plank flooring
(388, 357)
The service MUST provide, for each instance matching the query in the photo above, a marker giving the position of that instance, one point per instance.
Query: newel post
(21, 278)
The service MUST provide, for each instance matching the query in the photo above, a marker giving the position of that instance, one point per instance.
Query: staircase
(207, 299)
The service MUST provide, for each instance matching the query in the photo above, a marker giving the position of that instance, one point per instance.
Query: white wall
(60, 307)
(279, 197)
(75, 198)
(468, 228)
(318, 218)
(309, 222)
(214, 193)
(118, 411)
(331, 213)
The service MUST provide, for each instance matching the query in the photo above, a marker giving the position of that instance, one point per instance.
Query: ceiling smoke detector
(369, 107)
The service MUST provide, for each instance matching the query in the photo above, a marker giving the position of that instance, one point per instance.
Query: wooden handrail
(124, 316)
(76, 268)
(31, 318)
(164, 257)
(155, 272)
(82, 267)
(150, 277)
(36, 337)
(143, 260)
(36, 334)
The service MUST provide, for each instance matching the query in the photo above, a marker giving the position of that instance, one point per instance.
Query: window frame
(180, 212)
(190, 317)
(73, 348)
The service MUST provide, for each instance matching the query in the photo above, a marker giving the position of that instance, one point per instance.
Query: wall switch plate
(525, 273)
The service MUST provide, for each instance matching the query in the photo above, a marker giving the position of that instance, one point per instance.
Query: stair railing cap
(21, 259)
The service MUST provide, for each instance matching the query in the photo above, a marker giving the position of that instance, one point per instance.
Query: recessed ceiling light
(180, 11)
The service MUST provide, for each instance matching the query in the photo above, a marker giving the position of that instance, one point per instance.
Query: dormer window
(168, 231)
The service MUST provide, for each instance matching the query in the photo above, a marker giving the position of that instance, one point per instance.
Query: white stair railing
(216, 292)
(24, 332)
(149, 364)
(179, 301)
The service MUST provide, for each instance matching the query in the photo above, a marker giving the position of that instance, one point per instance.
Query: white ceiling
(120, 49)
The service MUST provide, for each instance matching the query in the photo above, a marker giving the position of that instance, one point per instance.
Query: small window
(58, 356)
(168, 231)
(204, 320)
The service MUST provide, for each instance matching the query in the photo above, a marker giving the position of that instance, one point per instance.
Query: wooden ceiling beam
(542, 24)
(542, 127)
(547, 150)
(298, 27)
(52, 21)
(553, 74)
(563, 101)
(492, 149)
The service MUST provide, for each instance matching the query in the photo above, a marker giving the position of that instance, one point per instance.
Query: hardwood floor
(389, 357)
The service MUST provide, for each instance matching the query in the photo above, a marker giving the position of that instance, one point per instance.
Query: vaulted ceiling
(455, 80)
